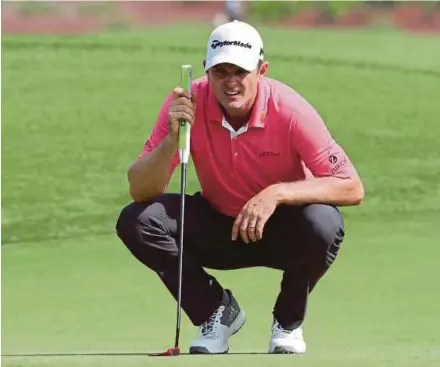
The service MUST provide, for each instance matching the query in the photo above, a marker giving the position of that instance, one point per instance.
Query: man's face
(234, 87)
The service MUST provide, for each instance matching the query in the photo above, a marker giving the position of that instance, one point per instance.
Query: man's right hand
(181, 108)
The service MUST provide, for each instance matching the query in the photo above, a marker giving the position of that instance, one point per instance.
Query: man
(271, 179)
(233, 11)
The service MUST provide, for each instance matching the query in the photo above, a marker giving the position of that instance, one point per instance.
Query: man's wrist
(278, 192)
(172, 142)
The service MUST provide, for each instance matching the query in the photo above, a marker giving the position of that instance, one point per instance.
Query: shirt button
(235, 154)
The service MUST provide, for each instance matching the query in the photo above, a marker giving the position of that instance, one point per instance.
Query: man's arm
(335, 181)
(150, 174)
(329, 190)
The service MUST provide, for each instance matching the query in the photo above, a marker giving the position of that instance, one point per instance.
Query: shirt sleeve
(159, 132)
(314, 144)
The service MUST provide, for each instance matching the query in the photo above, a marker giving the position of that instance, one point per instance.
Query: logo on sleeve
(332, 159)
(337, 165)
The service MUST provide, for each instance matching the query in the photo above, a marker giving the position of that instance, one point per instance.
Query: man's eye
(224, 73)
(220, 73)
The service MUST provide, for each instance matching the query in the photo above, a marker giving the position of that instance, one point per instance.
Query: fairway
(76, 112)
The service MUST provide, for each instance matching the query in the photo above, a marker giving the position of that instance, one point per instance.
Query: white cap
(236, 43)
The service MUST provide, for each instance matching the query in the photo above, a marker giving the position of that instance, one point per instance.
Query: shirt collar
(259, 112)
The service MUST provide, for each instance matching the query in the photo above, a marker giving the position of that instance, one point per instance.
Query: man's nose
(231, 80)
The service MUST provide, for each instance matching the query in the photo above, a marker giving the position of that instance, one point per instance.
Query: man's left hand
(254, 215)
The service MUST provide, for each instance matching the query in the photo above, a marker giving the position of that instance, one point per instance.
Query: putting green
(76, 111)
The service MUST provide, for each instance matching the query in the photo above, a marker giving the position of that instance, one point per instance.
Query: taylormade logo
(217, 43)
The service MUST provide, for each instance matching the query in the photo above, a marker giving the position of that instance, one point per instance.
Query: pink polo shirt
(285, 140)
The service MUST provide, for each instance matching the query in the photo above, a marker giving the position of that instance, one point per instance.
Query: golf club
(184, 152)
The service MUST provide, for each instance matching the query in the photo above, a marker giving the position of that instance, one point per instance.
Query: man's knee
(126, 220)
(142, 218)
(325, 227)
(324, 222)
(144, 229)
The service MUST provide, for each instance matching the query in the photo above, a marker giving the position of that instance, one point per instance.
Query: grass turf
(76, 111)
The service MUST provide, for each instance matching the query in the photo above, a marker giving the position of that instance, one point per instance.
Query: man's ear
(207, 71)
(263, 68)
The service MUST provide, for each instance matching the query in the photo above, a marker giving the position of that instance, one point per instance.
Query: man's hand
(254, 215)
(181, 108)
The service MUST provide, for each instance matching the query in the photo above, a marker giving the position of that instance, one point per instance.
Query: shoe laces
(279, 332)
(208, 329)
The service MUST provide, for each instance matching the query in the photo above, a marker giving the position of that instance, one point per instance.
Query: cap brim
(243, 62)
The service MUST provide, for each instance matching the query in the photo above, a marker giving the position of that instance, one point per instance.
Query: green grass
(75, 113)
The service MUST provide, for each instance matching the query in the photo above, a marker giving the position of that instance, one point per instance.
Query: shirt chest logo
(268, 153)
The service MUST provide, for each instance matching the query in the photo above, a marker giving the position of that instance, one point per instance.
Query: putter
(184, 152)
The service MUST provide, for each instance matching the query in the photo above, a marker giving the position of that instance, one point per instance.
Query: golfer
(272, 178)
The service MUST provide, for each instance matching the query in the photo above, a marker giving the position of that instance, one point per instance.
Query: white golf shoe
(286, 341)
(224, 322)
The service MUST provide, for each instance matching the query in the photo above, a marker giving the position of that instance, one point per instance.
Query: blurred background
(90, 16)
(82, 84)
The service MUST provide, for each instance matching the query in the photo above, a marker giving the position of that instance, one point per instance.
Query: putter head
(171, 352)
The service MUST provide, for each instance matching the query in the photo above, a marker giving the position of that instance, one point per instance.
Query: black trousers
(301, 241)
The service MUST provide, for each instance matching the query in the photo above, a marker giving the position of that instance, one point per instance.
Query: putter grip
(185, 127)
